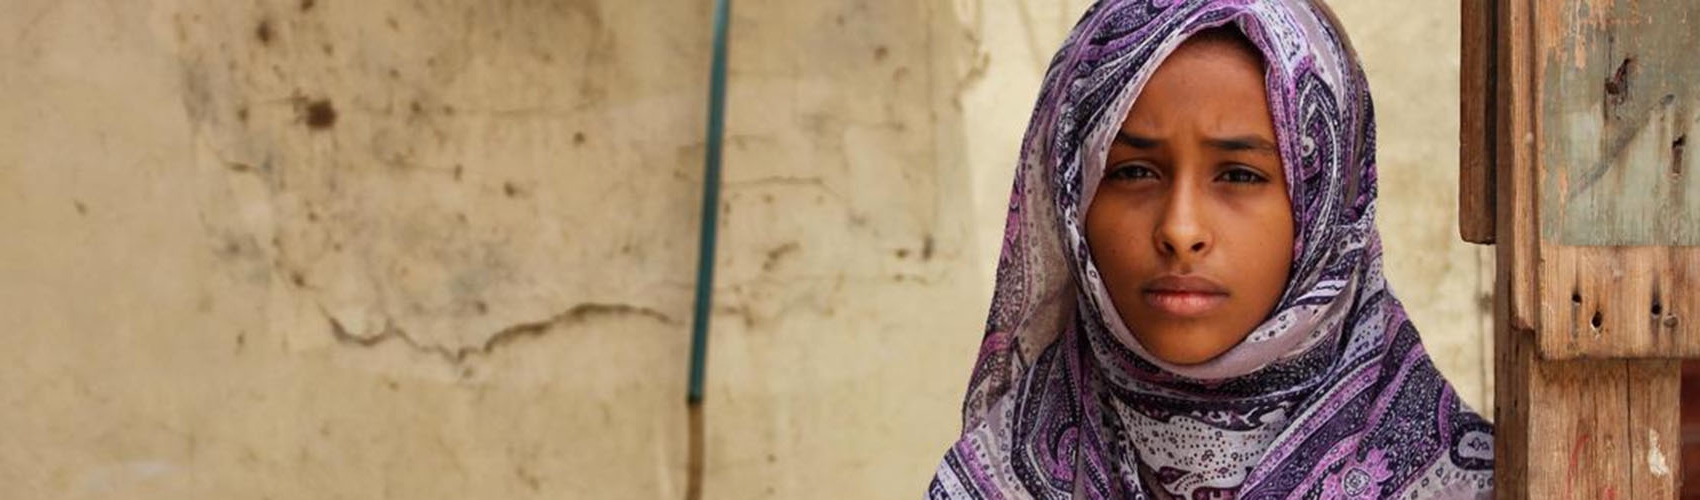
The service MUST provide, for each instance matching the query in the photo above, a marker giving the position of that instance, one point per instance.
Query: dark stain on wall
(319, 114)
(263, 32)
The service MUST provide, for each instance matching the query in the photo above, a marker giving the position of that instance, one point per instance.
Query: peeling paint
(1655, 456)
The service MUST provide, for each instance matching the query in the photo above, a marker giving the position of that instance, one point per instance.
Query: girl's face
(1191, 227)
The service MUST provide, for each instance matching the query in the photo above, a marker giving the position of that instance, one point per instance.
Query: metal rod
(710, 204)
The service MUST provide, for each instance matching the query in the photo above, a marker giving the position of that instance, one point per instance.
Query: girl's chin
(1188, 358)
(1184, 346)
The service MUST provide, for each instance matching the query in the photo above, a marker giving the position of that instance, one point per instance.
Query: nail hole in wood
(1676, 148)
(1618, 84)
(1658, 309)
(1576, 298)
(1598, 319)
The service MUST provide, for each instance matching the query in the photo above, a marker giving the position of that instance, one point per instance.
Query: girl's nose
(1181, 233)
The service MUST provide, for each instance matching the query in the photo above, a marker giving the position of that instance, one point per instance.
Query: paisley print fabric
(1332, 397)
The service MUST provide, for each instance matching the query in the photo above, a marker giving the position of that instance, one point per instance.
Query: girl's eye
(1132, 173)
(1242, 176)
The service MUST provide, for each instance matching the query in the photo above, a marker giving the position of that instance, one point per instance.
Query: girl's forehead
(1233, 101)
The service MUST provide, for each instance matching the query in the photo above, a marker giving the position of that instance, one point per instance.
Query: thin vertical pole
(710, 204)
(708, 236)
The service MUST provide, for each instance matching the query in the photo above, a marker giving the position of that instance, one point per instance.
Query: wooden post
(1476, 130)
(1576, 118)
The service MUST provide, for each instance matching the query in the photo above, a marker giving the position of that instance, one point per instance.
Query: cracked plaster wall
(429, 249)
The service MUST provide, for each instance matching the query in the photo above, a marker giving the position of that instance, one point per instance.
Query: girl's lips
(1184, 303)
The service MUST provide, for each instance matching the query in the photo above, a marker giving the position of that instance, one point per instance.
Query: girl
(1190, 301)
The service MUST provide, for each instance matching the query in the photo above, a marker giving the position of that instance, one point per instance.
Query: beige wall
(475, 281)
(1410, 51)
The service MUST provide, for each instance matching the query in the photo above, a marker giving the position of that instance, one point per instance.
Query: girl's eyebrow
(1243, 143)
(1136, 142)
(1235, 144)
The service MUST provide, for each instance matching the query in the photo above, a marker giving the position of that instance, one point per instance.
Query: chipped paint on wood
(1618, 103)
(1656, 456)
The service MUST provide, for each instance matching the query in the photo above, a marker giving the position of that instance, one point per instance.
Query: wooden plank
(1571, 423)
(1583, 429)
(1562, 426)
(1617, 100)
(1514, 158)
(1619, 302)
(1574, 421)
(1688, 475)
(1476, 133)
(1515, 346)
(1514, 359)
(1580, 411)
(1655, 415)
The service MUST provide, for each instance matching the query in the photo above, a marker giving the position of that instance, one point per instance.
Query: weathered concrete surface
(410, 249)
(347, 249)
(849, 301)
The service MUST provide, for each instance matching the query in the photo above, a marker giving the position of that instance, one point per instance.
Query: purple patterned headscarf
(1333, 396)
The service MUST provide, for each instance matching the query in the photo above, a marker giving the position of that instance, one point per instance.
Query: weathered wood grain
(1577, 418)
(1514, 360)
(1477, 122)
(1618, 203)
(1655, 439)
(1586, 428)
(1617, 101)
(1514, 151)
(1619, 302)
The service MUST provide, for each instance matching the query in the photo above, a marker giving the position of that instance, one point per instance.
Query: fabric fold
(1333, 396)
